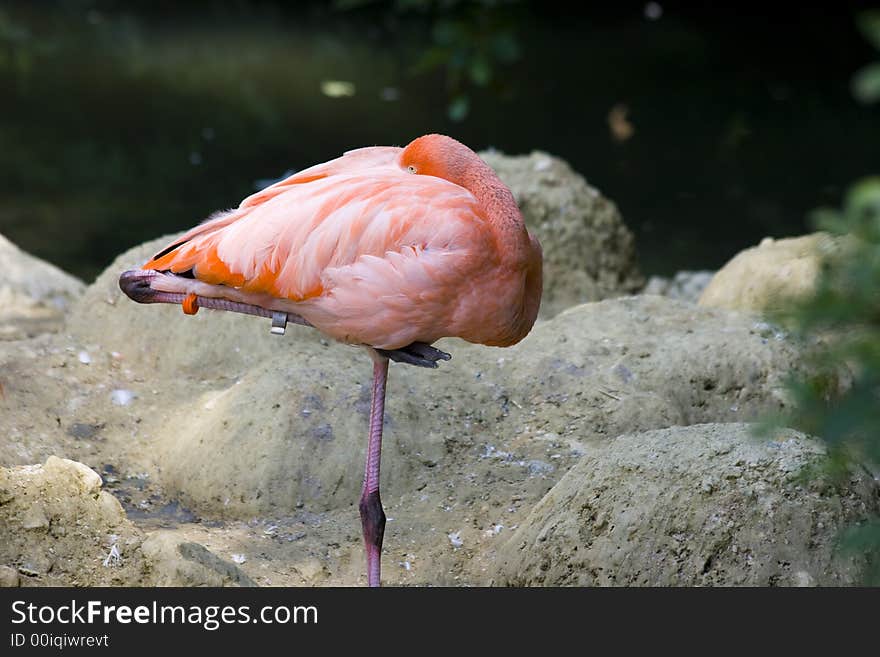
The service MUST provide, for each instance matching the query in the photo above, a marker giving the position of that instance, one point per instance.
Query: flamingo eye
(411, 168)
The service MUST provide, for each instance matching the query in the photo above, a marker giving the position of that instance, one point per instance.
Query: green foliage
(839, 401)
(469, 48)
(18, 48)
(861, 539)
(471, 41)
(866, 81)
(846, 311)
(868, 23)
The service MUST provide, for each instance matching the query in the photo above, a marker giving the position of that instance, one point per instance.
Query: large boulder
(770, 276)
(293, 431)
(686, 506)
(34, 295)
(684, 285)
(589, 253)
(632, 364)
(61, 528)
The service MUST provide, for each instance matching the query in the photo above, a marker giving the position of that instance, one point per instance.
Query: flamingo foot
(417, 353)
(191, 304)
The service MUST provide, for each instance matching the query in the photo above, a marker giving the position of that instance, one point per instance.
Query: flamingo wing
(361, 158)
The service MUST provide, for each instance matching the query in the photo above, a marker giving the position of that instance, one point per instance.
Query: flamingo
(384, 247)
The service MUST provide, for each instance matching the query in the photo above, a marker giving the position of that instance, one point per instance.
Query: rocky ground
(611, 447)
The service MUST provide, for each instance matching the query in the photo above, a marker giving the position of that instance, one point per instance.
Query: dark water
(123, 121)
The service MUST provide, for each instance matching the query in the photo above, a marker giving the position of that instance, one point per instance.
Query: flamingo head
(442, 157)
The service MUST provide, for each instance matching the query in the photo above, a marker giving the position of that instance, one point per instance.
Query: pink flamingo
(389, 248)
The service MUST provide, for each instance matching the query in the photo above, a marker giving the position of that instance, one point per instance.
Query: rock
(122, 397)
(177, 562)
(88, 481)
(589, 253)
(634, 511)
(110, 507)
(37, 563)
(771, 275)
(72, 525)
(86, 539)
(311, 570)
(803, 579)
(630, 364)
(291, 430)
(685, 285)
(35, 518)
(8, 577)
(295, 429)
(34, 295)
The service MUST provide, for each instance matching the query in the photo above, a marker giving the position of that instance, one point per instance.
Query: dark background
(120, 122)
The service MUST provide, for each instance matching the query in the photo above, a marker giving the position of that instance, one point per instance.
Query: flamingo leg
(372, 515)
(136, 285)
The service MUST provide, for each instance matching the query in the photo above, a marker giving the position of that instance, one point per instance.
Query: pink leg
(372, 515)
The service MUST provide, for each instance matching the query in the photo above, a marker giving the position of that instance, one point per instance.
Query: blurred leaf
(446, 33)
(459, 58)
(863, 539)
(432, 58)
(12, 33)
(480, 70)
(825, 218)
(620, 126)
(836, 397)
(865, 84)
(505, 47)
(459, 108)
(470, 41)
(862, 201)
(337, 88)
(868, 23)
(835, 469)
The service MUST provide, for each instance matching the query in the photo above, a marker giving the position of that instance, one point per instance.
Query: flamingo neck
(519, 251)
(494, 197)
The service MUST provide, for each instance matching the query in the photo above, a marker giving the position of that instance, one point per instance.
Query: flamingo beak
(136, 285)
